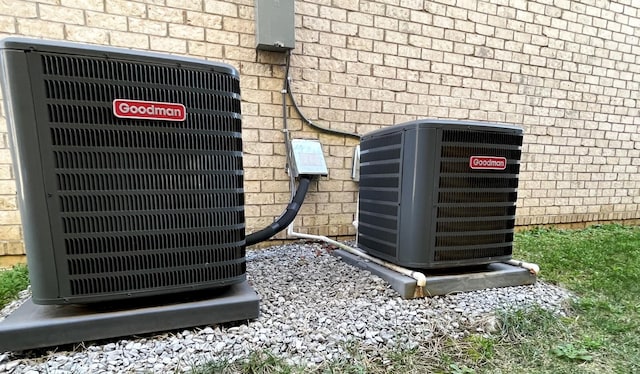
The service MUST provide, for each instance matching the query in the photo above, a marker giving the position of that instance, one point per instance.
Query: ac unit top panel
(89, 50)
(444, 123)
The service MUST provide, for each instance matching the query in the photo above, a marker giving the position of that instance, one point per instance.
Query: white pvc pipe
(533, 268)
(421, 279)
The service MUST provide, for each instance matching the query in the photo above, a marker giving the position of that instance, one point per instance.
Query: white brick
(334, 14)
(161, 13)
(185, 4)
(186, 32)
(144, 26)
(385, 23)
(60, 14)
(87, 35)
(126, 8)
(18, 8)
(131, 40)
(97, 5)
(37, 28)
(222, 8)
(7, 24)
(106, 21)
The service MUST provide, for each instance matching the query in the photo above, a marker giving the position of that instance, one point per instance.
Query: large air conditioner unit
(439, 194)
(129, 170)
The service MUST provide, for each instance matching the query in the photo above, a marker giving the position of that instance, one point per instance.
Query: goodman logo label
(150, 110)
(487, 163)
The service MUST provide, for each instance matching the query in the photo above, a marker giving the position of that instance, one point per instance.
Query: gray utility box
(275, 28)
(438, 193)
(129, 169)
(308, 158)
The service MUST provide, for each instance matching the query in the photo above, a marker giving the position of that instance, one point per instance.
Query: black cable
(303, 185)
(286, 218)
(287, 84)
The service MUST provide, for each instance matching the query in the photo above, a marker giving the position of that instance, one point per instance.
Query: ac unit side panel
(417, 211)
(27, 163)
(380, 194)
(136, 207)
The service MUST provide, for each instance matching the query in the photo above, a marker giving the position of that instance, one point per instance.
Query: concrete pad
(399, 282)
(36, 326)
(442, 282)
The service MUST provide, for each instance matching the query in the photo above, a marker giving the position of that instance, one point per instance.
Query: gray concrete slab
(442, 282)
(403, 284)
(36, 326)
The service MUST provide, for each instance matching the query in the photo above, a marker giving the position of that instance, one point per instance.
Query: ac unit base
(444, 282)
(37, 326)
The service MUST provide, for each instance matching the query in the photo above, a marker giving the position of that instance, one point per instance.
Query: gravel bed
(312, 304)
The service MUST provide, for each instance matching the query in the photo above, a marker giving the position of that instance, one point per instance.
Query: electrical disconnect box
(275, 30)
(308, 158)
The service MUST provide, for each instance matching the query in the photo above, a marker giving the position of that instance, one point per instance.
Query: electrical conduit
(287, 216)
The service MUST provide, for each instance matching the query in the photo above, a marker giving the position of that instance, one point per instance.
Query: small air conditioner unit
(438, 193)
(129, 169)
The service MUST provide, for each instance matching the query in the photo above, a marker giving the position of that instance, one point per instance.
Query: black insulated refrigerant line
(287, 217)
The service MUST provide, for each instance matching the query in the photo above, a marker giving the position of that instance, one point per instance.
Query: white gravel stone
(311, 303)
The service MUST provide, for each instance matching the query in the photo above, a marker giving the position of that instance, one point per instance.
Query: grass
(601, 265)
(357, 360)
(12, 281)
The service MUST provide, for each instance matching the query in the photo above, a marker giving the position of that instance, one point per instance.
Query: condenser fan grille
(144, 261)
(476, 208)
(466, 254)
(118, 138)
(135, 72)
(139, 206)
(495, 139)
(164, 278)
(196, 240)
(146, 181)
(144, 201)
(81, 224)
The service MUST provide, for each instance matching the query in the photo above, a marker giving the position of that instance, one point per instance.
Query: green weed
(571, 352)
(12, 281)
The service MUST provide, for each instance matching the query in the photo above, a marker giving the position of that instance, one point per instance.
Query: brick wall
(567, 71)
